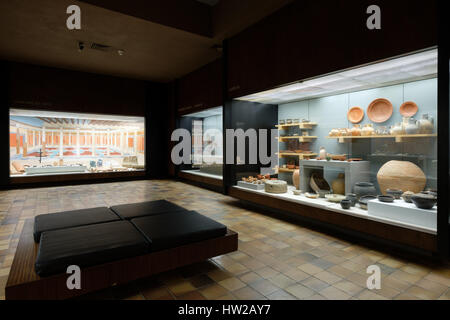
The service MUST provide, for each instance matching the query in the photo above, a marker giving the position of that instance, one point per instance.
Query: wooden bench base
(24, 284)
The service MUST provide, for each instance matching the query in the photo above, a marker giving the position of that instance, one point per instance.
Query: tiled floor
(276, 259)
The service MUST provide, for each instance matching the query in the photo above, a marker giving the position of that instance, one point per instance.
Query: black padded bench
(74, 218)
(142, 209)
(87, 246)
(174, 229)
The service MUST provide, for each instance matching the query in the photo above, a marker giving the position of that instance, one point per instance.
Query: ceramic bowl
(352, 197)
(396, 193)
(407, 196)
(386, 198)
(335, 197)
(424, 201)
(323, 193)
(364, 200)
(311, 195)
(282, 122)
(346, 204)
(297, 192)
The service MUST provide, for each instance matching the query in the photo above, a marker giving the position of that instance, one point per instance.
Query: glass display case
(57, 143)
(361, 141)
(206, 129)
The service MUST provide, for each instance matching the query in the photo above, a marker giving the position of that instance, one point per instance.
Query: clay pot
(396, 129)
(353, 198)
(334, 133)
(356, 130)
(362, 189)
(322, 153)
(401, 175)
(338, 185)
(346, 204)
(411, 127)
(296, 179)
(426, 124)
(407, 196)
(424, 201)
(367, 130)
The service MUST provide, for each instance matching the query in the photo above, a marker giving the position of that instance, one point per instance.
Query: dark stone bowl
(396, 193)
(364, 200)
(424, 201)
(386, 198)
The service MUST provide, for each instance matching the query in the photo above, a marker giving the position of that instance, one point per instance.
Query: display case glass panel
(206, 129)
(368, 134)
(57, 143)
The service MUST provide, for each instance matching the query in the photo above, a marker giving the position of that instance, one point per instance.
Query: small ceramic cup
(353, 198)
(346, 204)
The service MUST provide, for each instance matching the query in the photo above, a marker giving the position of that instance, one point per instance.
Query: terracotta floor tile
(299, 291)
(282, 281)
(327, 277)
(213, 291)
(265, 287)
(310, 268)
(248, 293)
(193, 295)
(280, 295)
(348, 287)
(266, 272)
(333, 293)
(181, 288)
(274, 256)
(232, 284)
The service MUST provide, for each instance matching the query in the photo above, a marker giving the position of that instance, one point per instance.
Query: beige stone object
(403, 175)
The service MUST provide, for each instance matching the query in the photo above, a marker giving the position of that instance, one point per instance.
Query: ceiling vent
(101, 47)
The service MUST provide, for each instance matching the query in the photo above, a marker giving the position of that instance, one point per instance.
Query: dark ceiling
(162, 39)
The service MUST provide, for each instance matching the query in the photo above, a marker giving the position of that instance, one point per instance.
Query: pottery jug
(396, 129)
(364, 189)
(426, 124)
(334, 133)
(367, 130)
(356, 130)
(411, 127)
(338, 185)
(296, 179)
(322, 153)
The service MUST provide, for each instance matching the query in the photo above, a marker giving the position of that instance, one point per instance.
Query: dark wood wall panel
(315, 37)
(42, 88)
(201, 89)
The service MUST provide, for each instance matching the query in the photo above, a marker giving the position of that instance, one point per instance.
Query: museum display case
(206, 130)
(360, 142)
(44, 143)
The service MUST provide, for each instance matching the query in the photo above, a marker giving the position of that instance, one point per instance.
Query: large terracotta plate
(408, 109)
(380, 110)
(355, 115)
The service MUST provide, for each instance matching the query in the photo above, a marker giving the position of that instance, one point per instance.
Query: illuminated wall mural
(44, 143)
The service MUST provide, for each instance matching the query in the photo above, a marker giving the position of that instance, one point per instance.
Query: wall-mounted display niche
(206, 129)
(361, 141)
(59, 143)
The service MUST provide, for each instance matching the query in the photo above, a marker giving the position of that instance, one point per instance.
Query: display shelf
(299, 138)
(398, 138)
(286, 170)
(301, 125)
(301, 156)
